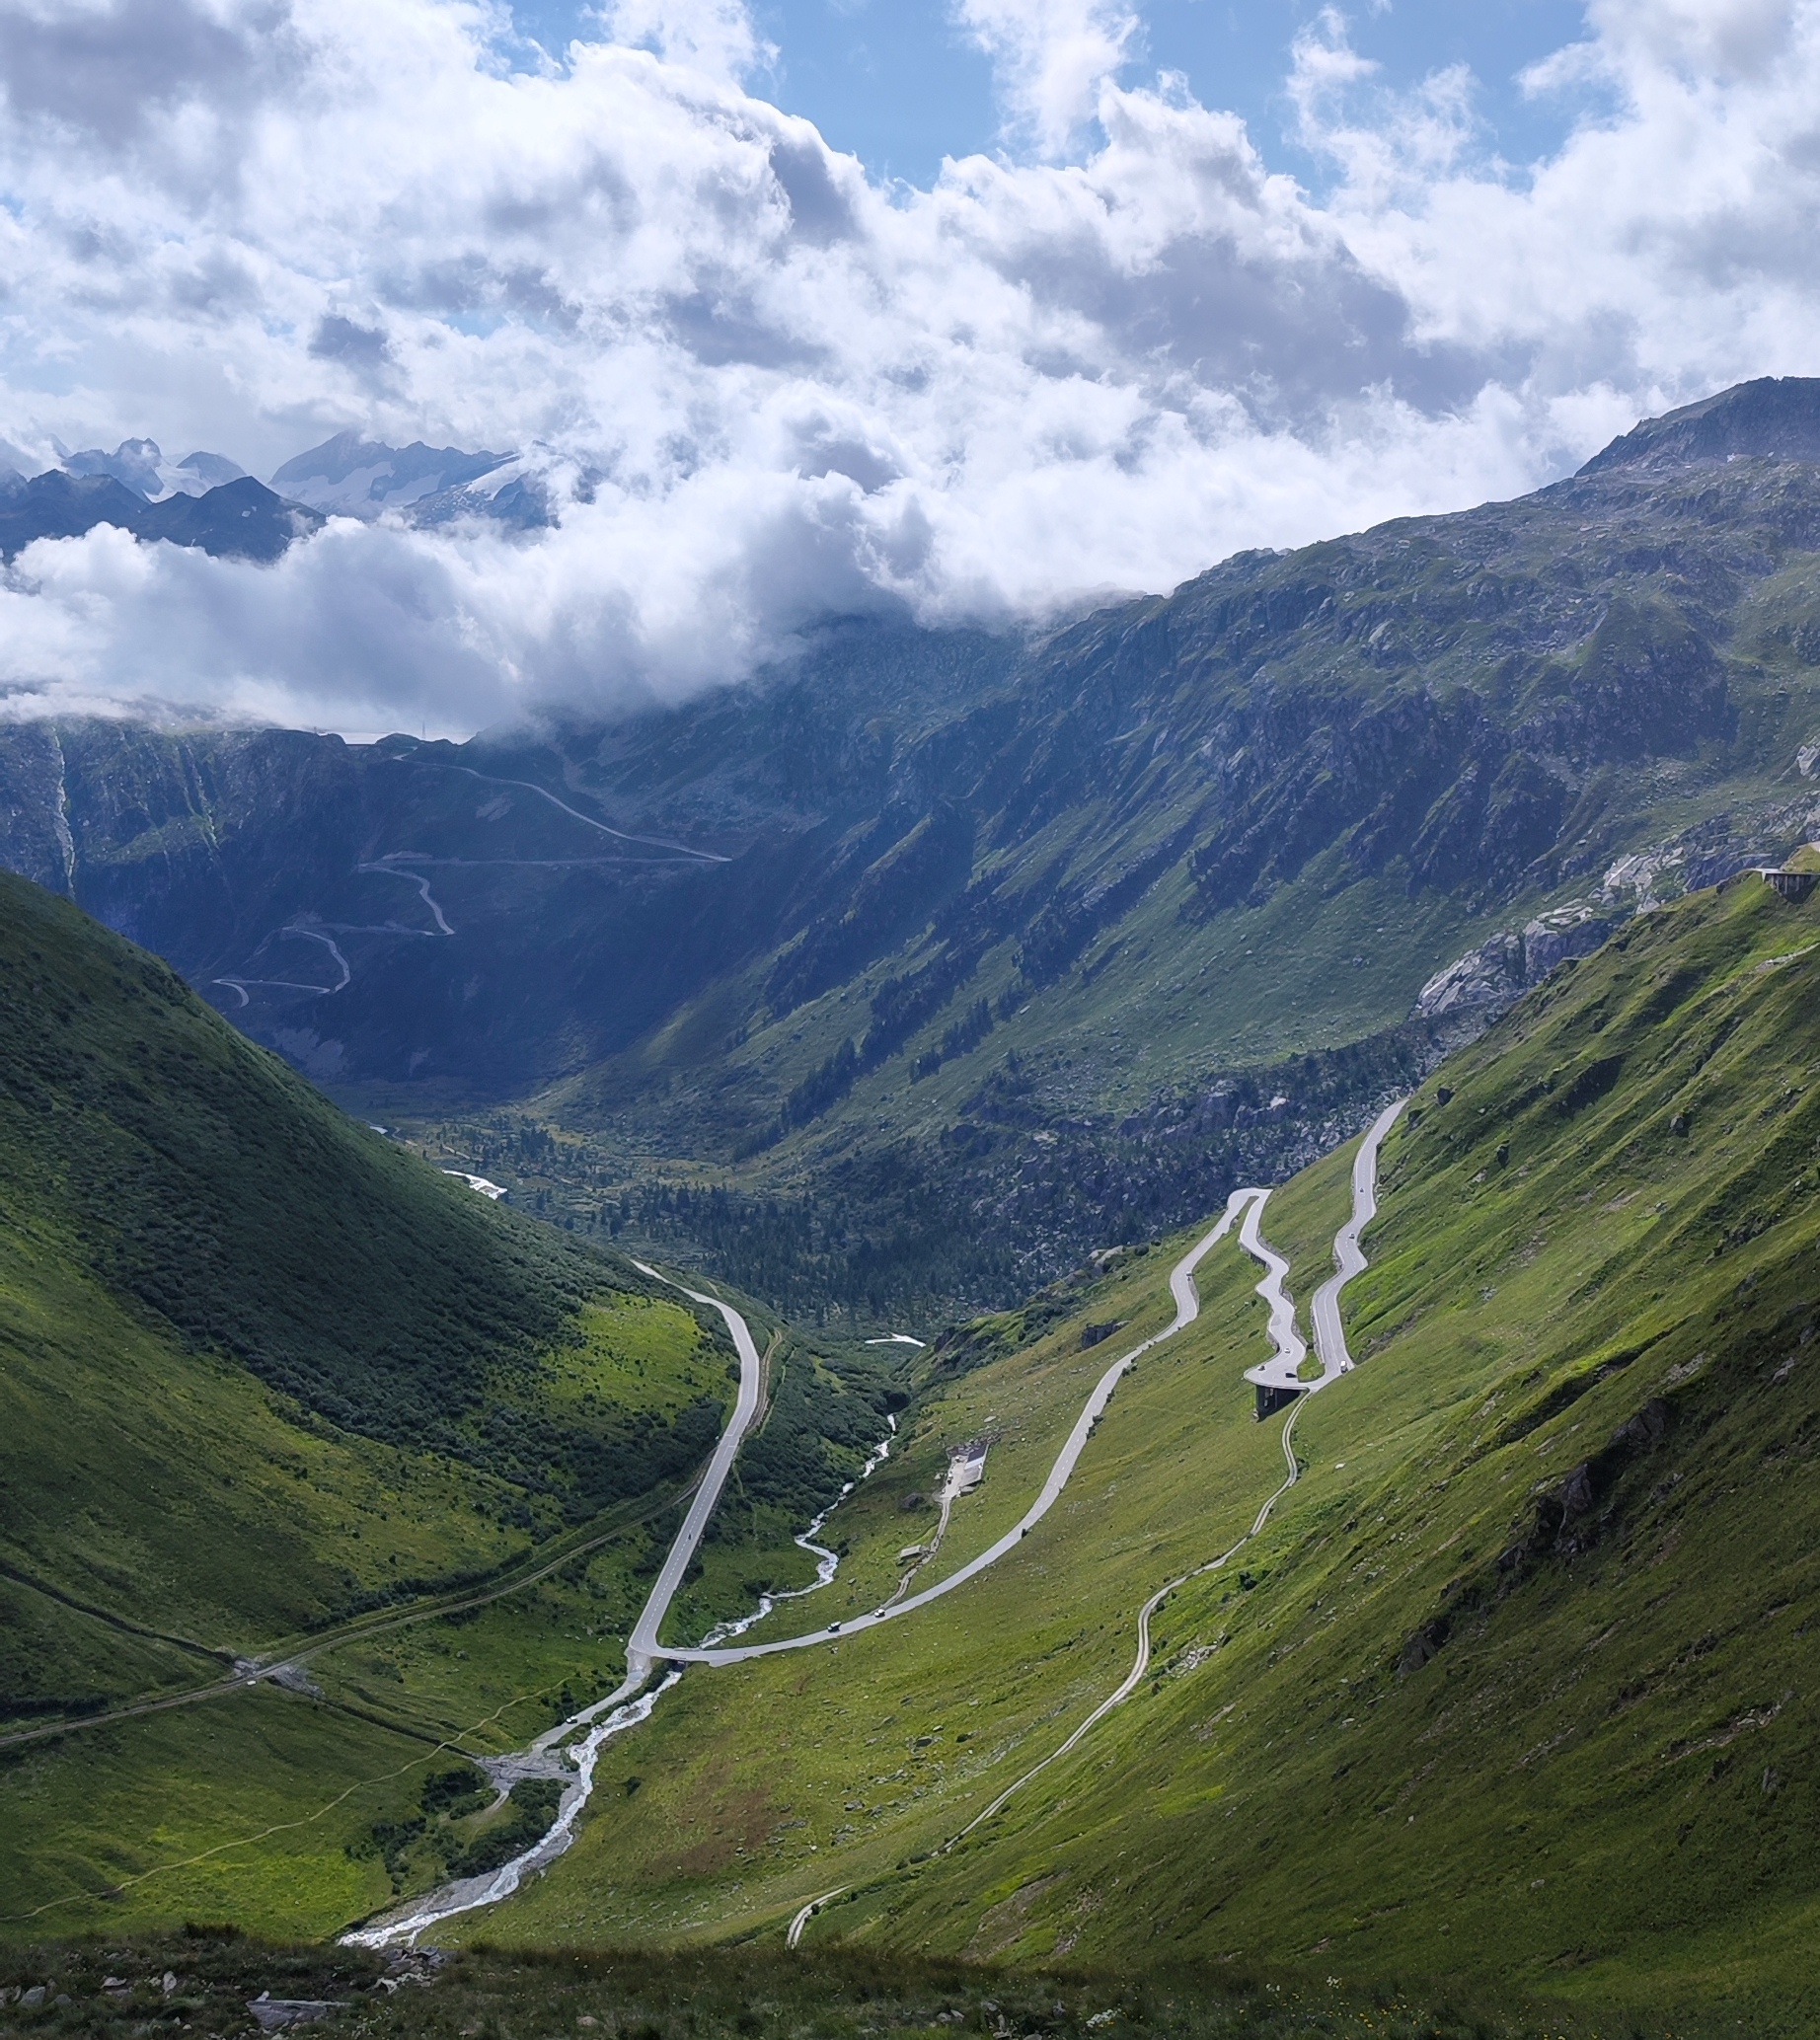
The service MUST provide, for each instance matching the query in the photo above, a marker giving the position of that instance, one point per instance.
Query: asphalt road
(1188, 1309)
(1348, 1256)
(1283, 1370)
(630, 1703)
(643, 1650)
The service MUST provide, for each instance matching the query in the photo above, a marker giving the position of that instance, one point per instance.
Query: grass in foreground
(204, 1982)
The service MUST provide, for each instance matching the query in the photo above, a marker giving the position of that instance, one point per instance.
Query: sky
(955, 310)
(903, 83)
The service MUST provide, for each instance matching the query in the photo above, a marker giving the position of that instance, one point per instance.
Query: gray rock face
(1495, 975)
(1774, 419)
(1551, 940)
(279, 2015)
(1489, 977)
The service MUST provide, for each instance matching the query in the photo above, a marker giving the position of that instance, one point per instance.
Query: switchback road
(1348, 1256)
(1331, 1343)
(1188, 1309)
(628, 1705)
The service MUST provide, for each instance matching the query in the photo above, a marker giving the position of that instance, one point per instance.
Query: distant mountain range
(140, 466)
(240, 519)
(351, 476)
(977, 951)
(206, 500)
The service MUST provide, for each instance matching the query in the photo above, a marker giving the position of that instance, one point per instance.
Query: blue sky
(896, 83)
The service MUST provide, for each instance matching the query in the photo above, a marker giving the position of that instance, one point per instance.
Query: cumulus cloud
(1052, 57)
(712, 36)
(760, 390)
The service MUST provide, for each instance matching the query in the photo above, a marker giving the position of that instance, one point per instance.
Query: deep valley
(1080, 930)
(750, 1370)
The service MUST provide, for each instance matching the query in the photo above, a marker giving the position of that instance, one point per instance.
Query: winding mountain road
(1188, 1309)
(643, 1650)
(1331, 1343)
(623, 1708)
(1283, 1370)
(629, 1703)
(1348, 1255)
(388, 866)
(705, 857)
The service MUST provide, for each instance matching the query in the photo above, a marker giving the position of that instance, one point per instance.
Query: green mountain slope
(1515, 1685)
(261, 1370)
(1522, 1682)
(217, 1284)
(274, 1390)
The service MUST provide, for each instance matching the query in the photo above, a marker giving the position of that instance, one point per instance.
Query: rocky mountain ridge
(809, 933)
(351, 476)
(240, 519)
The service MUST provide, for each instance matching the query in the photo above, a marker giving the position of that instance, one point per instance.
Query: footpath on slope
(627, 1704)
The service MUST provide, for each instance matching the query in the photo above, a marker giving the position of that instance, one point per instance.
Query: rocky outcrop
(1499, 972)
(1490, 977)
(1495, 975)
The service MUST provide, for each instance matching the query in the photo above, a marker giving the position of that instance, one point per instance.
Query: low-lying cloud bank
(763, 390)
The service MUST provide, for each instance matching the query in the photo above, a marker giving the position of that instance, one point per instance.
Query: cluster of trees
(987, 1213)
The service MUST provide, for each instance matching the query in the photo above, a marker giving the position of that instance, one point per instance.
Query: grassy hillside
(242, 1330)
(268, 1380)
(228, 1205)
(1515, 1686)
(1520, 1685)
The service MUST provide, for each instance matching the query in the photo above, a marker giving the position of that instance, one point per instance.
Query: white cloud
(766, 391)
(712, 36)
(1052, 58)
